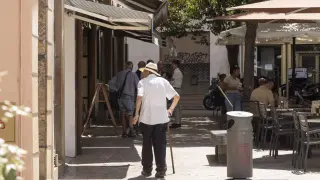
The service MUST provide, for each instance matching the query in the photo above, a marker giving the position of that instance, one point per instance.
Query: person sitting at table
(263, 93)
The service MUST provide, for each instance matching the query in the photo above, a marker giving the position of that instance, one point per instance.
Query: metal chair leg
(297, 155)
(301, 156)
(271, 144)
(293, 154)
(306, 158)
(265, 138)
(276, 147)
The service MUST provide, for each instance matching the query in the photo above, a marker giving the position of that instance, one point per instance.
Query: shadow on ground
(144, 178)
(96, 172)
(103, 157)
(193, 133)
(282, 162)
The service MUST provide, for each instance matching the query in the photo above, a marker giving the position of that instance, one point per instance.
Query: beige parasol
(282, 6)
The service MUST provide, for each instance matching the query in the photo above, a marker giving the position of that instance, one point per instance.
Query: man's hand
(135, 119)
(170, 111)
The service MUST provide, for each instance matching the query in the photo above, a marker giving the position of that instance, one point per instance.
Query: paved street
(109, 157)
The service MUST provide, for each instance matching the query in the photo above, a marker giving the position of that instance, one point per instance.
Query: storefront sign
(301, 73)
(315, 107)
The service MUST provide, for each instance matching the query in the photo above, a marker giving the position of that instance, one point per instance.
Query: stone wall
(19, 56)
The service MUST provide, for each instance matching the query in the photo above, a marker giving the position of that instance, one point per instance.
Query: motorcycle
(208, 101)
(213, 98)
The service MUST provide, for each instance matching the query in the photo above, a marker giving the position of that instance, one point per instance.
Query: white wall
(141, 51)
(218, 58)
(69, 76)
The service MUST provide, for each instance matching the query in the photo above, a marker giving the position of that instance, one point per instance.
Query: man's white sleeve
(170, 92)
(140, 88)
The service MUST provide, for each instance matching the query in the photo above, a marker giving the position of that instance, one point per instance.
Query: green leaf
(11, 175)
(191, 16)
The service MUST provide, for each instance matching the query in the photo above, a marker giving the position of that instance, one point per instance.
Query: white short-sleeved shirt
(154, 91)
(177, 78)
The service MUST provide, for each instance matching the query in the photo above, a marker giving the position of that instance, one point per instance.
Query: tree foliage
(192, 16)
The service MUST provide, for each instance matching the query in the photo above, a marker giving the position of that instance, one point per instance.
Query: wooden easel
(100, 87)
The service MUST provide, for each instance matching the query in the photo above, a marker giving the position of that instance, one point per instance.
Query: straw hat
(151, 67)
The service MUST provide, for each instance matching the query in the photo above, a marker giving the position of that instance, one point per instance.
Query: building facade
(27, 54)
(54, 62)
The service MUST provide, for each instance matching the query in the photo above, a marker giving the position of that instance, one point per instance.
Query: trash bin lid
(239, 114)
(239, 120)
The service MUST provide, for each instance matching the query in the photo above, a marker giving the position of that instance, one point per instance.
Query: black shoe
(124, 135)
(160, 174)
(132, 135)
(145, 174)
(175, 126)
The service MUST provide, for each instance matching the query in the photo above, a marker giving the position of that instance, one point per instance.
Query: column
(79, 63)
(289, 63)
(28, 83)
(289, 51)
(45, 87)
(243, 58)
(317, 64)
(283, 64)
(69, 88)
(59, 132)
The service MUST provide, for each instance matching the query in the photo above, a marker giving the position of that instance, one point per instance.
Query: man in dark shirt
(150, 61)
(129, 80)
(141, 64)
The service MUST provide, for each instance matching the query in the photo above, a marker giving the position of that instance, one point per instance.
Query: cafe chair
(254, 108)
(266, 124)
(296, 138)
(277, 131)
(306, 139)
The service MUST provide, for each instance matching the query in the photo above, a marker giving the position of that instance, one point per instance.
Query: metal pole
(171, 152)
(287, 74)
(225, 96)
(293, 64)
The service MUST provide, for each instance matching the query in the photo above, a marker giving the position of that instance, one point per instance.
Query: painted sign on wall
(188, 58)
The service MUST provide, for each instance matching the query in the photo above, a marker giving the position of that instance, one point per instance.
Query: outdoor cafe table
(283, 110)
(314, 120)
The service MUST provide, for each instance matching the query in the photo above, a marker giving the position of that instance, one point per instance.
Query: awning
(282, 6)
(159, 8)
(274, 17)
(109, 16)
(276, 33)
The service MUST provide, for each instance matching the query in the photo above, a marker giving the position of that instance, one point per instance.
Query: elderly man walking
(152, 93)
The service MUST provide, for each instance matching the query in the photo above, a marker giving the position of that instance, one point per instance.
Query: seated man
(263, 93)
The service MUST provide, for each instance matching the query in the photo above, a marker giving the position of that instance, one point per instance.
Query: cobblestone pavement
(110, 157)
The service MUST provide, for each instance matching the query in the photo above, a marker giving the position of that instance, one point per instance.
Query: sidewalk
(109, 157)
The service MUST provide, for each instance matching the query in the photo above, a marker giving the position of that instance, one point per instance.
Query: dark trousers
(156, 136)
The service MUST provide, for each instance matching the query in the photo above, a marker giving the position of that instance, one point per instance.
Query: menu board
(7, 129)
(301, 73)
(315, 105)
